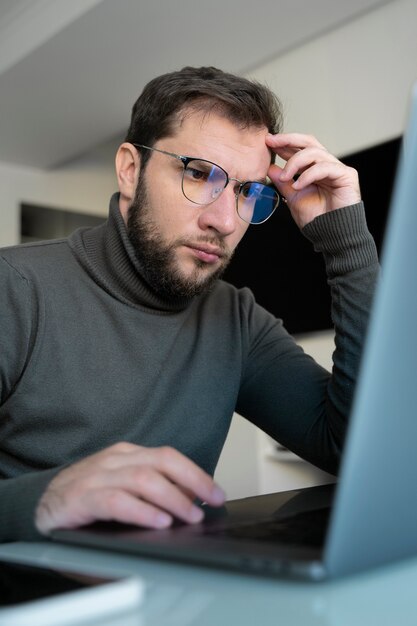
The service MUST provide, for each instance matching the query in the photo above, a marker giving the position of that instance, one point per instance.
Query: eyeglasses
(203, 182)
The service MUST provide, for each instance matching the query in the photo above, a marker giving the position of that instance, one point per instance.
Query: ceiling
(70, 71)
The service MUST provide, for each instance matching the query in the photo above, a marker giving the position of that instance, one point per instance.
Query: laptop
(370, 517)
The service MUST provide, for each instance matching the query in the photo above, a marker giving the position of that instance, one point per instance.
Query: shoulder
(25, 261)
(29, 252)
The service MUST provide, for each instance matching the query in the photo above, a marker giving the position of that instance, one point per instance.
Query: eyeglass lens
(203, 182)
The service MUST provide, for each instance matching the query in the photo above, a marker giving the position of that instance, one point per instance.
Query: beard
(158, 258)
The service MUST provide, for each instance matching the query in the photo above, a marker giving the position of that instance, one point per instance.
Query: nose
(220, 215)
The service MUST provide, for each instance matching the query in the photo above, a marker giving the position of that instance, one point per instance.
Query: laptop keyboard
(307, 528)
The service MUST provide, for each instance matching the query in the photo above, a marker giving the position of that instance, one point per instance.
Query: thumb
(284, 187)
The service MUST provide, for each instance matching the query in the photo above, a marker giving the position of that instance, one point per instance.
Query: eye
(195, 174)
(199, 171)
(251, 190)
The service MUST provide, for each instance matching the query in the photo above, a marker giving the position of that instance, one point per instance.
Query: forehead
(242, 152)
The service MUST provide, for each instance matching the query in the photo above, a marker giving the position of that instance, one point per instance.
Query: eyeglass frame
(186, 160)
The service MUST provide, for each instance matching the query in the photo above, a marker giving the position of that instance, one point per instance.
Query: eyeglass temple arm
(176, 156)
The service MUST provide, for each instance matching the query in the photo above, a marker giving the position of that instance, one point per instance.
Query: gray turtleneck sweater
(90, 355)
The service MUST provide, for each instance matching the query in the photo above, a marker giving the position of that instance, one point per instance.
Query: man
(124, 356)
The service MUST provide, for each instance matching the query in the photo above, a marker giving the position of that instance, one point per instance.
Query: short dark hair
(158, 109)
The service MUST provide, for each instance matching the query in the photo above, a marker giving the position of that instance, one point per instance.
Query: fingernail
(163, 520)
(217, 495)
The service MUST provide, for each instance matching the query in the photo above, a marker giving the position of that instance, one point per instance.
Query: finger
(334, 174)
(181, 470)
(166, 460)
(150, 486)
(111, 504)
(295, 140)
(287, 145)
(174, 465)
(304, 159)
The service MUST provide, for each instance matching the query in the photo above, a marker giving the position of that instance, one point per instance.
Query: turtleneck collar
(106, 254)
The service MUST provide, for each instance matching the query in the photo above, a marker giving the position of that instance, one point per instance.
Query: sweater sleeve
(19, 495)
(19, 498)
(16, 324)
(284, 391)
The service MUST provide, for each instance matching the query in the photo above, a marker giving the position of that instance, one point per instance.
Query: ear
(127, 170)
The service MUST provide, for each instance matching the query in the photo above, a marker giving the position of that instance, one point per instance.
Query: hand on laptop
(127, 483)
(324, 183)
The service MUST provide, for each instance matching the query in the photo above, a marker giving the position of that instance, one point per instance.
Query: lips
(206, 252)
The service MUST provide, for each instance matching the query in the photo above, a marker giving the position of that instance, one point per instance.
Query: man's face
(183, 247)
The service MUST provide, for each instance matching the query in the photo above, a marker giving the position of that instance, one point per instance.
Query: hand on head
(323, 182)
(127, 483)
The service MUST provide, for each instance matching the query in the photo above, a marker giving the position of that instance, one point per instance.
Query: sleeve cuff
(342, 236)
(19, 499)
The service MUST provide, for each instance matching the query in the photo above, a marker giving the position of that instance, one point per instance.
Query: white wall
(350, 88)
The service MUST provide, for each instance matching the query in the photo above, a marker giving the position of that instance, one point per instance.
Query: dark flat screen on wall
(280, 266)
(39, 222)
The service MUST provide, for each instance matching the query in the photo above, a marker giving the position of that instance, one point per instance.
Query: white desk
(182, 595)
